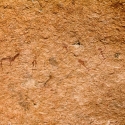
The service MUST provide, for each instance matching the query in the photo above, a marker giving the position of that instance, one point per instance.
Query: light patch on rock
(30, 83)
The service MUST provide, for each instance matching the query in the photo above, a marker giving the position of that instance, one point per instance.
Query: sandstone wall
(62, 62)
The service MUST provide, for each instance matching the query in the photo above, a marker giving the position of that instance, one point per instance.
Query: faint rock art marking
(82, 63)
(50, 77)
(9, 58)
(34, 64)
(25, 104)
(53, 61)
(102, 53)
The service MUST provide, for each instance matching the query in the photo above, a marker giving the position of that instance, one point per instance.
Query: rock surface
(62, 62)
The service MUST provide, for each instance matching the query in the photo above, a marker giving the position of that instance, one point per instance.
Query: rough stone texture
(62, 62)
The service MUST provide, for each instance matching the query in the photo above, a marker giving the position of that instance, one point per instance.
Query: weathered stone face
(62, 62)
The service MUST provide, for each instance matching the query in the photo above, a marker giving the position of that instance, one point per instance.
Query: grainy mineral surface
(62, 62)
